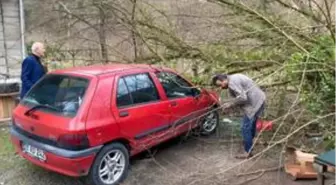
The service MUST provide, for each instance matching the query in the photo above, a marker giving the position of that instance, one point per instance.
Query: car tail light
(14, 124)
(73, 141)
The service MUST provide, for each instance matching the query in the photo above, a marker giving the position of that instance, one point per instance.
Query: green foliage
(318, 87)
(329, 141)
(201, 80)
(319, 77)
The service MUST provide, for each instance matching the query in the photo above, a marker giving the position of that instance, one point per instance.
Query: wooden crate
(7, 104)
(299, 171)
(300, 166)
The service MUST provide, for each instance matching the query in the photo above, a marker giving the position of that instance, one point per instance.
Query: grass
(6, 150)
(5, 145)
(15, 170)
(8, 159)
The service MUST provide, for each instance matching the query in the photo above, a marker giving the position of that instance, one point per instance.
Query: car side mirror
(196, 91)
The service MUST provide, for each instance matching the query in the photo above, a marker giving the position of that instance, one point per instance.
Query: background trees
(287, 46)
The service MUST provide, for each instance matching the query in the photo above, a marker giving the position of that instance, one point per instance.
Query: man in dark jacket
(32, 68)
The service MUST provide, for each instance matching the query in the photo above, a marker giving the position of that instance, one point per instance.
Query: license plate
(34, 152)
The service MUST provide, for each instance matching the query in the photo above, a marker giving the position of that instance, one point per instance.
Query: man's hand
(225, 107)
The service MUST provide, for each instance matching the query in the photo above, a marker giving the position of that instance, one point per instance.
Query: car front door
(139, 109)
(180, 95)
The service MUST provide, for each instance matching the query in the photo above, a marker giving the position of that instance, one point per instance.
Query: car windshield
(60, 94)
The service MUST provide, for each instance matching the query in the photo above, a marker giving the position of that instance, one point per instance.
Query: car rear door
(180, 95)
(139, 109)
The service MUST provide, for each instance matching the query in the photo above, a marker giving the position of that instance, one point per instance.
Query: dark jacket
(32, 70)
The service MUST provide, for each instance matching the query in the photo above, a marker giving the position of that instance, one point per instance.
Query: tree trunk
(281, 102)
(133, 31)
(194, 68)
(102, 35)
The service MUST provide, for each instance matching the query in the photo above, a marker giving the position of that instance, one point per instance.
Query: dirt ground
(182, 161)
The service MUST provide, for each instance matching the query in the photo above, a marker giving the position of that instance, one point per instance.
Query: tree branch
(76, 16)
(308, 14)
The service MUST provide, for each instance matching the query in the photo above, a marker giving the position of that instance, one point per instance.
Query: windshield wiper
(29, 111)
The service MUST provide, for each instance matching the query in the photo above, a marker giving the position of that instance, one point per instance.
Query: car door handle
(123, 113)
(173, 103)
(33, 116)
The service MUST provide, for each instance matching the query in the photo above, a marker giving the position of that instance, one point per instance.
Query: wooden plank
(304, 157)
(9, 94)
(4, 121)
(7, 106)
(297, 172)
(2, 110)
(299, 165)
(10, 106)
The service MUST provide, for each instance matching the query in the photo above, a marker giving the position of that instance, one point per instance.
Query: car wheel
(110, 166)
(210, 123)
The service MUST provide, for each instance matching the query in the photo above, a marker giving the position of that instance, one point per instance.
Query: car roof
(108, 68)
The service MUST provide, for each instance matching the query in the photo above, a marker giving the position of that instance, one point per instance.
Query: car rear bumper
(67, 162)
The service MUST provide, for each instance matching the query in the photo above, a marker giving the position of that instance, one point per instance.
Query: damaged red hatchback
(88, 121)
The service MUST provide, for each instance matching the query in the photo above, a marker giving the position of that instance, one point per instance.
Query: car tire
(100, 166)
(209, 123)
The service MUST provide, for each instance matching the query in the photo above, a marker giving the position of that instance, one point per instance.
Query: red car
(88, 121)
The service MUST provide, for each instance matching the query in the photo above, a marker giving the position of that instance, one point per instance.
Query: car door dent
(152, 131)
(179, 122)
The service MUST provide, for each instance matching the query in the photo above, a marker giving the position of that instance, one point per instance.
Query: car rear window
(59, 94)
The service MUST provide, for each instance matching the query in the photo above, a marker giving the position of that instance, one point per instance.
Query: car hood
(213, 95)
